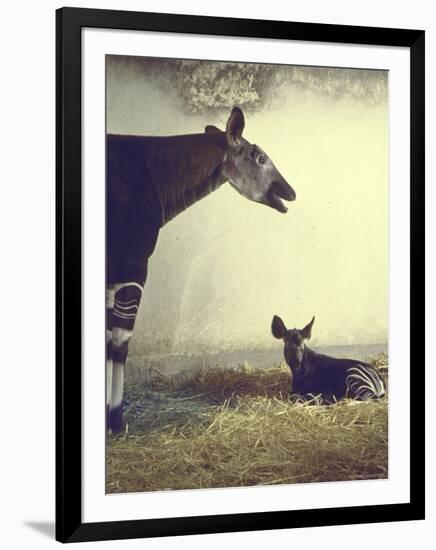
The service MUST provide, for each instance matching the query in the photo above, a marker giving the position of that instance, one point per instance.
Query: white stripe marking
(364, 382)
(120, 336)
(110, 295)
(124, 285)
(117, 385)
(119, 306)
(124, 315)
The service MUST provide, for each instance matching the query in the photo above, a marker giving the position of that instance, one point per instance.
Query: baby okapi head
(294, 340)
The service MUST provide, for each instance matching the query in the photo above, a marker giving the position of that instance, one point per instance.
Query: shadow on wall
(46, 528)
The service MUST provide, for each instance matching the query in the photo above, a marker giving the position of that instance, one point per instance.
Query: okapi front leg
(110, 295)
(126, 304)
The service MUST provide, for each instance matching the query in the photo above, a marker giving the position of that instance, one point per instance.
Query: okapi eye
(261, 159)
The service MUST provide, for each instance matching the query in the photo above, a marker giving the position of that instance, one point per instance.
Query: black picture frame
(69, 22)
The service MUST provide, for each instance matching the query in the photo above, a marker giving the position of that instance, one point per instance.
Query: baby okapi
(313, 373)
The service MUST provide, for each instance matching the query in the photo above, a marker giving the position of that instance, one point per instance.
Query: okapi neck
(185, 169)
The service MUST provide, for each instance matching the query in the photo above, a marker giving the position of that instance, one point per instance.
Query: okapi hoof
(114, 420)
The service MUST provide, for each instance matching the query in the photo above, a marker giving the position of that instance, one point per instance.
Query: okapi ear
(306, 332)
(278, 327)
(235, 127)
(212, 130)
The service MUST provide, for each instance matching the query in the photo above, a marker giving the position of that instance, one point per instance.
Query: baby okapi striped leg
(363, 382)
(127, 297)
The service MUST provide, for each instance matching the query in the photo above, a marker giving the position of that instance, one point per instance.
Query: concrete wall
(225, 266)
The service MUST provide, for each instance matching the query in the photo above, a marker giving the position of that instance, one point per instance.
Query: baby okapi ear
(235, 127)
(306, 332)
(278, 327)
(212, 130)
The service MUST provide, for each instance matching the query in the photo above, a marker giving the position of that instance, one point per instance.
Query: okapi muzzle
(151, 180)
(332, 378)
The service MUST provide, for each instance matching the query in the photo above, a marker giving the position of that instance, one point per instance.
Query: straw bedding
(224, 427)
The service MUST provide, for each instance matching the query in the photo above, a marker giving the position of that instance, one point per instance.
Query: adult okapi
(316, 374)
(150, 180)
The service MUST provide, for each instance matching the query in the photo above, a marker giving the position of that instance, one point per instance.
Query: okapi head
(294, 340)
(249, 169)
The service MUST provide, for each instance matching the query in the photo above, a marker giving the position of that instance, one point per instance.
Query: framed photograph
(240, 275)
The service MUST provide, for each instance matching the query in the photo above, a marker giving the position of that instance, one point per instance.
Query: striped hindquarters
(364, 382)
